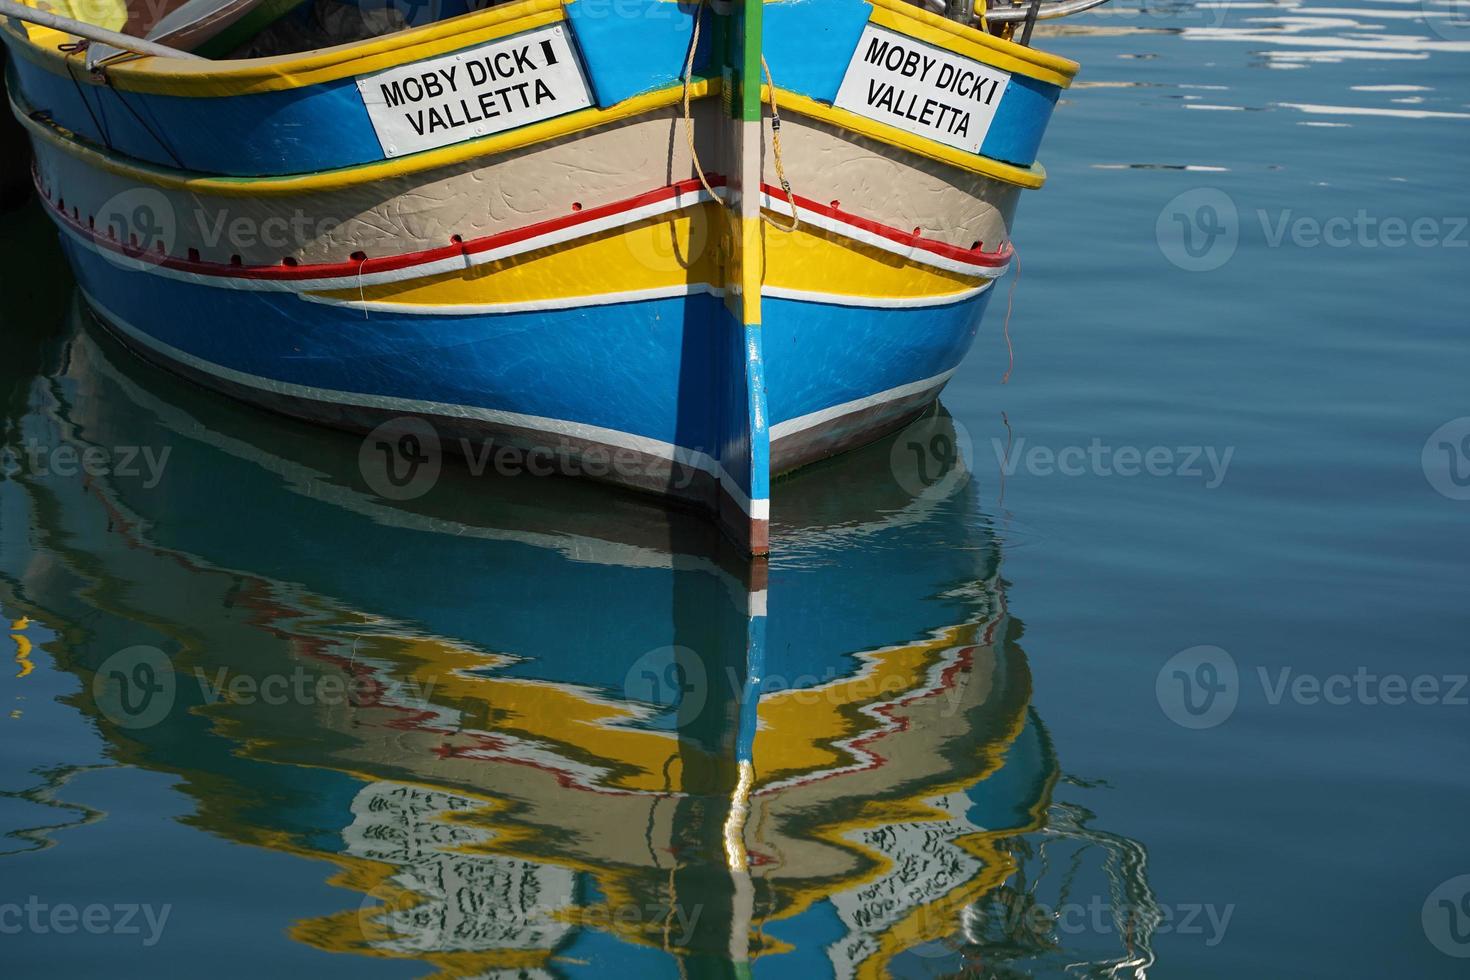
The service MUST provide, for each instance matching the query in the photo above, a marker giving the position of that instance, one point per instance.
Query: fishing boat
(680, 247)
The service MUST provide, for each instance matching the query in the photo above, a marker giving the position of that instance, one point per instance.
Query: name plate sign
(499, 85)
(921, 88)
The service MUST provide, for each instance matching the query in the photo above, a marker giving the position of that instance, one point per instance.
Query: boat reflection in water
(545, 731)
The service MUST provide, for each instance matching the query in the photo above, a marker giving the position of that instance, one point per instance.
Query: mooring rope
(776, 153)
(688, 117)
(1006, 325)
(775, 129)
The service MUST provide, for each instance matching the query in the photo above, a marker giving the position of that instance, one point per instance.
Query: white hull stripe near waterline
(694, 459)
(638, 295)
(792, 427)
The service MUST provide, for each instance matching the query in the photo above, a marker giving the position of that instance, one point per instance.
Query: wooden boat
(680, 247)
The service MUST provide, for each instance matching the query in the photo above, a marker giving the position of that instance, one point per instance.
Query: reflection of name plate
(486, 89)
(470, 900)
(926, 866)
(921, 88)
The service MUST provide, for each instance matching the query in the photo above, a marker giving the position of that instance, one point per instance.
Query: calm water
(1167, 678)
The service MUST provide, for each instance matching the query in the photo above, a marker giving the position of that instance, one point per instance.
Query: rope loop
(775, 129)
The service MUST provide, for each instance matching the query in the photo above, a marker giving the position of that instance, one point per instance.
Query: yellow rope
(776, 152)
(775, 129)
(688, 119)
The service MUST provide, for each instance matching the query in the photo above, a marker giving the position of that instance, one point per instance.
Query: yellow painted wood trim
(331, 180)
(1030, 177)
(212, 79)
(908, 19)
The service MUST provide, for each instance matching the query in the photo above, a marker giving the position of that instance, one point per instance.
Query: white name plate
(499, 85)
(921, 88)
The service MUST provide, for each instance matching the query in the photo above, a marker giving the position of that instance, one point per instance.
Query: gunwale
(246, 76)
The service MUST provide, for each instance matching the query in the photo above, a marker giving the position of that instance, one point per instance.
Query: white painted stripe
(913, 252)
(636, 295)
(757, 509)
(460, 262)
(751, 135)
(451, 264)
(792, 426)
(527, 306)
(876, 302)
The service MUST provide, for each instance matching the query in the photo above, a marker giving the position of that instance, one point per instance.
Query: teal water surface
(1166, 677)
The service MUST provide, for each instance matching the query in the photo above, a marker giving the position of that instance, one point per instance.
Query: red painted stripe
(405, 260)
(390, 263)
(975, 257)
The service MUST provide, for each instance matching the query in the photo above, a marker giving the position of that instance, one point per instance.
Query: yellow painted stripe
(668, 250)
(1029, 177)
(816, 260)
(329, 180)
(752, 269)
(906, 18)
(211, 79)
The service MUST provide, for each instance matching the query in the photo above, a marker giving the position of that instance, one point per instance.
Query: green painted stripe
(750, 89)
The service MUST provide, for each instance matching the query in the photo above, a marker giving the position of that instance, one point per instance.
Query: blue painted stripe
(321, 127)
(820, 355)
(1020, 121)
(634, 46)
(808, 43)
(633, 367)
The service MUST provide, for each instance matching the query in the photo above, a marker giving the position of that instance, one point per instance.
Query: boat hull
(675, 289)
